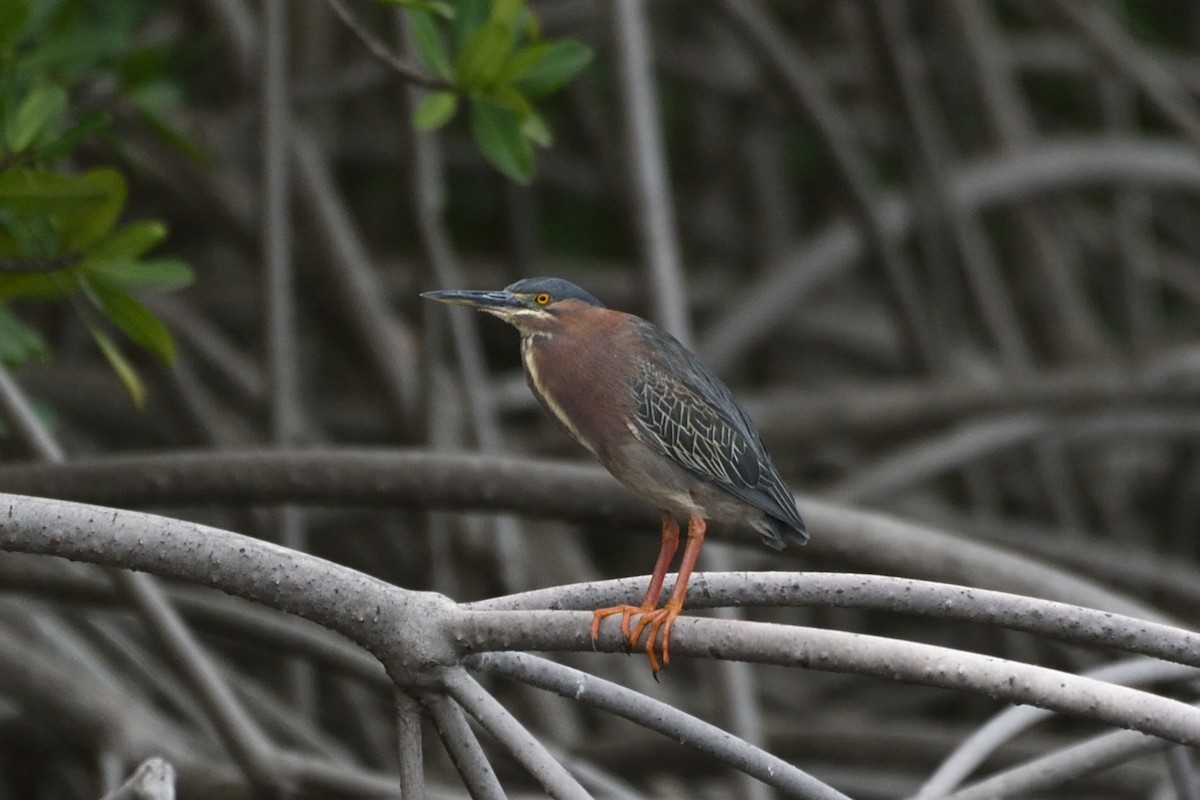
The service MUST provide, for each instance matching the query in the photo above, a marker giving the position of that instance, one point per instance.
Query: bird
(657, 418)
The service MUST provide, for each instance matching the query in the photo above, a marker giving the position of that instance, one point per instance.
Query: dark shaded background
(945, 253)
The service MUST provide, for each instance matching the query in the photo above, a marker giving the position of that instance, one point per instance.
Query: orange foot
(659, 622)
(626, 611)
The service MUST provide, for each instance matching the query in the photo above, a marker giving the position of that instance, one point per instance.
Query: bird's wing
(690, 416)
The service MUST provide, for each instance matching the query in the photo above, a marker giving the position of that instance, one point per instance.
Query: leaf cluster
(61, 235)
(493, 56)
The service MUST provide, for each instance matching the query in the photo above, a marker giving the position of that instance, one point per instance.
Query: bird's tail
(778, 534)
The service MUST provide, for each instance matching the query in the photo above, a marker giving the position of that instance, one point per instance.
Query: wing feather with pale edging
(686, 413)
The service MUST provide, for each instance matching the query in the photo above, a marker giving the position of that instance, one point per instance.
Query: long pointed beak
(484, 301)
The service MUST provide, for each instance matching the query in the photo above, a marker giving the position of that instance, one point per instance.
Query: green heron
(656, 417)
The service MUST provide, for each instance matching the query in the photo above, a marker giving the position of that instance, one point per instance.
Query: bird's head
(532, 305)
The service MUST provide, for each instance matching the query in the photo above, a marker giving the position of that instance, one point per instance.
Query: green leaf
(435, 111)
(37, 116)
(156, 98)
(73, 136)
(443, 9)
(429, 42)
(84, 207)
(156, 120)
(470, 17)
(19, 342)
(83, 227)
(172, 137)
(557, 64)
(13, 14)
(129, 241)
(440, 7)
(40, 14)
(530, 26)
(536, 130)
(37, 285)
(142, 65)
(158, 274)
(522, 61)
(135, 320)
(497, 132)
(482, 56)
(506, 12)
(79, 49)
(505, 96)
(116, 359)
(32, 192)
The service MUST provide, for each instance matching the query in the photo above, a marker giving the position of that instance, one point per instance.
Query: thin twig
(1114, 44)
(428, 197)
(408, 70)
(807, 90)
(35, 264)
(391, 347)
(652, 206)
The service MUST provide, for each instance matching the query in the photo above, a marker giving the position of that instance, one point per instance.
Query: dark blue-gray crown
(557, 288)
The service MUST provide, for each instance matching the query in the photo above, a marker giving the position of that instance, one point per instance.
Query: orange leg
(659, 621)
(670, 543)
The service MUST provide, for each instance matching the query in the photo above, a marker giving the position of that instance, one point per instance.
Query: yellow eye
(542, 299)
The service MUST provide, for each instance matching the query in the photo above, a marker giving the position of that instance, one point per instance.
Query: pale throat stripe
(555, 408)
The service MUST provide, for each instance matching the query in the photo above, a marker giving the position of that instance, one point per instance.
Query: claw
(658, 622)
(626, 611)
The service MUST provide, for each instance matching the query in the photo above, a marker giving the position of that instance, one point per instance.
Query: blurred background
(945, 253)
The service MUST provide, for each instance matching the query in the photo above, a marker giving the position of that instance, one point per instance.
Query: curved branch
(244, 739)
(401, 628)
(1104, 34)
(859, 654)
(981, 439)
(408, 736)
(272, 629)
(1008, 724)
(1054, 769)
(891, 409)
(123, 723)
(1068, 623)
(512, 735)
(415, 633)
(336, 476)
(1004, 178)
(655, 715)
(462, 747)
(1081, 626)
(462, 482)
